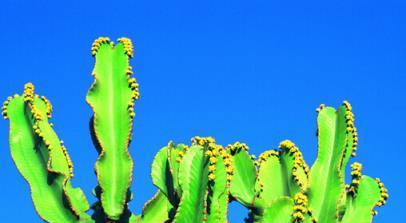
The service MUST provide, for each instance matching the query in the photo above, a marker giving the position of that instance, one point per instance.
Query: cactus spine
(195, 183)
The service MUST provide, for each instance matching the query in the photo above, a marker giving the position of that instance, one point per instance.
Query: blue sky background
(252, 71)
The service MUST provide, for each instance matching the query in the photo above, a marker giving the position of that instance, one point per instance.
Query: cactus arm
(159, 172)
(271, 180)
(360, 205)
(165, 168)
(156, 210)
(352, 136)
(350, 150)
(31, 160)
(326, 183)
(42, 159)
(294, 166)
(193, 179)
(280, 211)
(217, 202)
(175, 155)
(59, 160)
(242, 186)
(111, 97)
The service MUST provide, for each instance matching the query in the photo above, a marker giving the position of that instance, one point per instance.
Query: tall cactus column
(112, 98)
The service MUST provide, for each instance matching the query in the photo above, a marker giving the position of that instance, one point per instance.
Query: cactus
(196, 182)
(317, 194)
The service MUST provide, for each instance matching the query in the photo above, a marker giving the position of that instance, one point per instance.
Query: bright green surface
(59, 162)
(272, 176)
(359, 208)
(287, 160)
(109, 98)
(217, 200)
(243, 182)
(159, 172)
(326, 183)
(45, 169)
(279, 211)
(193, 179)
(156, 209)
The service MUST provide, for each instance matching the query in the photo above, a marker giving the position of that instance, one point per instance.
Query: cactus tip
(384, 193)
(128, 46)
(4, 107)
(321, 107)
(98, 42)
(356, 176)
(28, 92)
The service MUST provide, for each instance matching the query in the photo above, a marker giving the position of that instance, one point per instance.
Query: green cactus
(319, 194)
(42, 159)
(195, 183)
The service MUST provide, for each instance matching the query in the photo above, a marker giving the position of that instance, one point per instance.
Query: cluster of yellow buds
(349, 117)
(180, 156)
(132, 83)
(129, 71)
(37, 130)
(68, 160)
(228, 164)
(4, 107)
(98, 42)
(384, 193)
(356, 176)
(212, 150)
(128, 46)
(202, 141)
(298, 162)
(300, 209)
(135, 95)
(178, 153)
(236, 146)
(48, 106)
(35, 112)
(265, 155)
(212, 164)
(28, 92)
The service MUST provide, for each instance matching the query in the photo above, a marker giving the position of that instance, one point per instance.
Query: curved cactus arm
(364, 194)
(301, 210)
(193, 179)
(350, 150)
(360, 207)
(111, 97)
(156, 210)
(165, 168)
(271, 180)
(296, 169)
(59, 160)
(42, 160)
(175, 155)
(159, 172)
(280, 210)
(352, 137)
(280, 173)
(326, 182)
(242, 186)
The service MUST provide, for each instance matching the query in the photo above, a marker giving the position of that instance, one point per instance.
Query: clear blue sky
(252, 71)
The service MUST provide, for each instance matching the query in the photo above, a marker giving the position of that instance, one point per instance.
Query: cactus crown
(195, 183)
